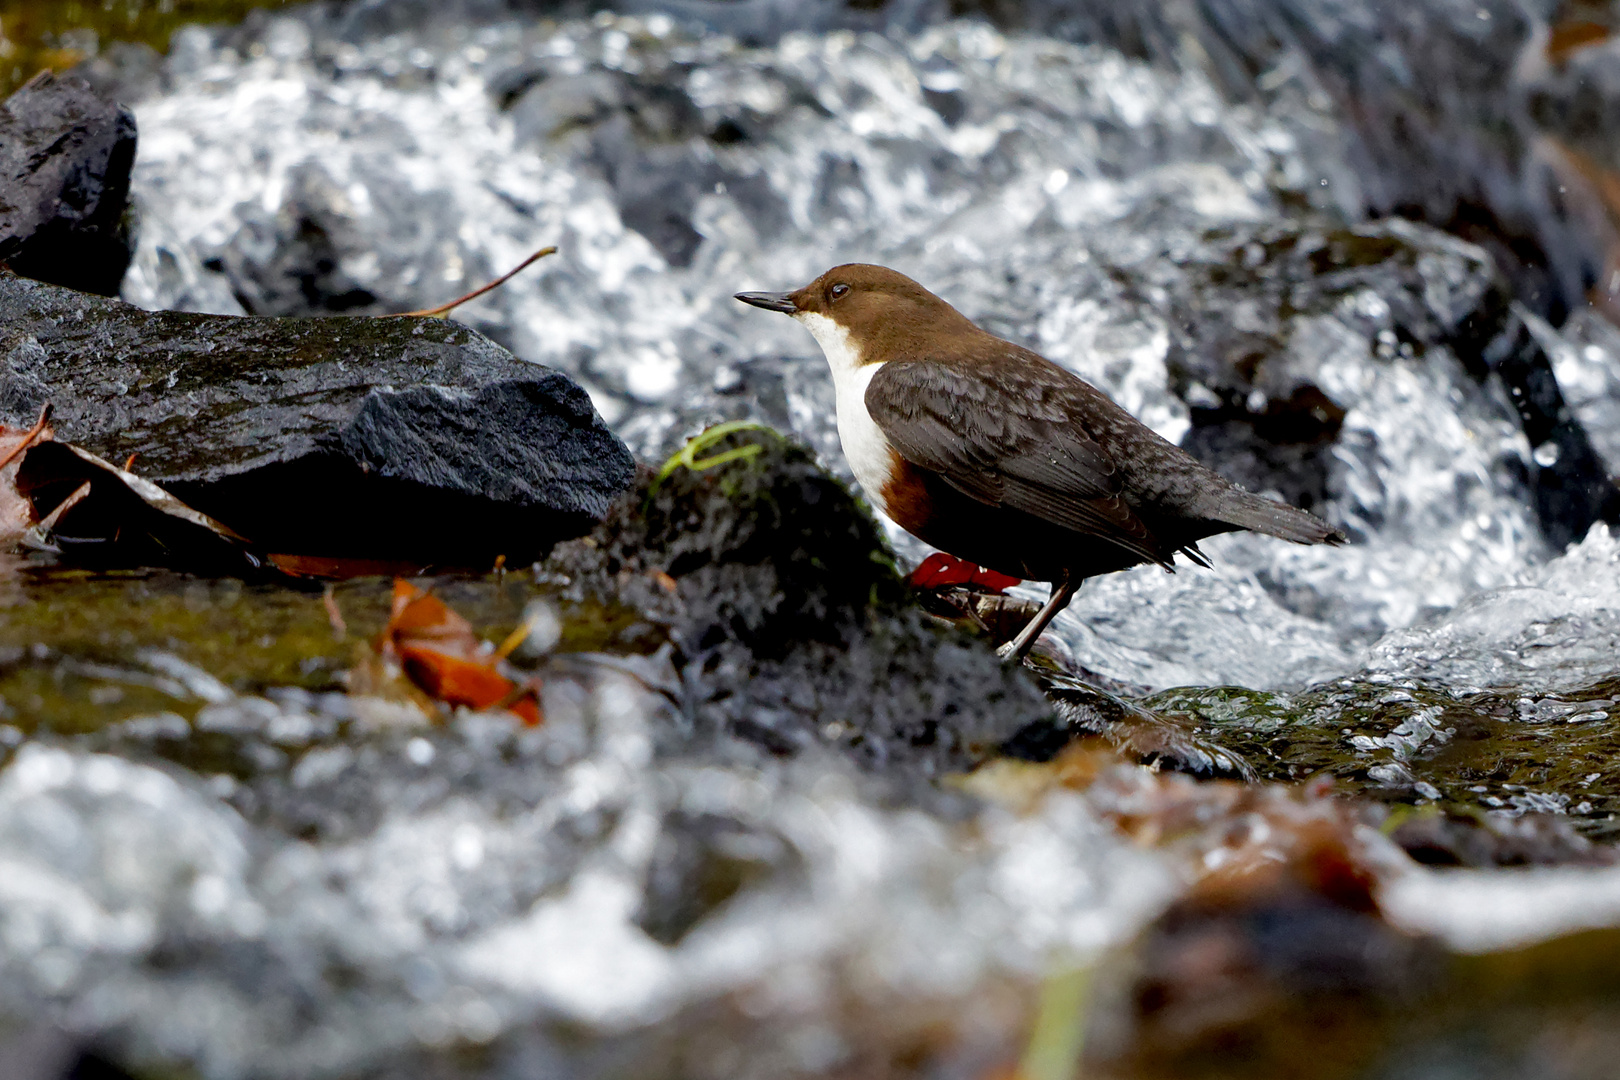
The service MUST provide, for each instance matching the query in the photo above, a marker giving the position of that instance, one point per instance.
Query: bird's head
(872, 307)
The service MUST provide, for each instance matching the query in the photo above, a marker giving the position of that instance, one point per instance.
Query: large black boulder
(65, 159)
(397, 438)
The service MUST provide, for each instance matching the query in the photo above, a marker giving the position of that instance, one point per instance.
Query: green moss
(1496, 751)
(80, 651)
(57, 34)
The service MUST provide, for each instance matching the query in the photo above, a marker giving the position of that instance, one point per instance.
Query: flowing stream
(257, 875)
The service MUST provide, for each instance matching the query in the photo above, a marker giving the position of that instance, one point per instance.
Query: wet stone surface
(376, 438)
(789, 625)
(65, 160)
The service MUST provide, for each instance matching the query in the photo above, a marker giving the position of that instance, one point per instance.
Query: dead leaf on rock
(92, 511)
(441, 655)
(16, 514)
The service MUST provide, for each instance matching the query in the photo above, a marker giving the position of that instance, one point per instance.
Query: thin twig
(28, 439)
(333, 614)
(517, 637)
(445, 309)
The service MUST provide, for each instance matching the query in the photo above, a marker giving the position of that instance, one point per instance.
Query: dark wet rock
(790, 626)
(1586, 360)
(1260, 413)
(1572, 485)
(1495, 840)
(43, 1051)
(702, 861)
(65, 160)
(292, 262)
(415, 439)
(1574, 92)
(1136, 732)
(1258, 966)
(545, 107)
(646, 137)
(1492, 762)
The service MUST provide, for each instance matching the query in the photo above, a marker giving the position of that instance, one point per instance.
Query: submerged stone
(1137, 733)
(65, 160)
(412, 439)
(1499, 756)
(1260, 961)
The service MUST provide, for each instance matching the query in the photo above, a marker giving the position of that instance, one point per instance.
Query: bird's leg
(1062, 592)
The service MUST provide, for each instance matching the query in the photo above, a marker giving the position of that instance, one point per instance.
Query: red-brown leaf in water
(439, 652)
(342, 567)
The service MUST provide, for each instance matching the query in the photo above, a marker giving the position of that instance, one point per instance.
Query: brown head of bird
(995, 454)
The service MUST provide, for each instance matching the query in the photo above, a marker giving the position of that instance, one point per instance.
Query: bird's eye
(839, 290)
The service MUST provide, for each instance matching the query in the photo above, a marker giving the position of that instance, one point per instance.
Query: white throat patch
(865, 447)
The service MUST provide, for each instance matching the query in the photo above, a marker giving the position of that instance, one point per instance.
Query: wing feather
(1015, 443)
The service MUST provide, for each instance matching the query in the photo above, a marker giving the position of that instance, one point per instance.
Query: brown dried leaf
(438, 651)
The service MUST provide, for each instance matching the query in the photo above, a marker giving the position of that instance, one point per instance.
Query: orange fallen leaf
(438, 651)
(1572, 34)
(455, 681)
(417, 615)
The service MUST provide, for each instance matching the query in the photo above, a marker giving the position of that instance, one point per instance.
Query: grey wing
(1021, 449)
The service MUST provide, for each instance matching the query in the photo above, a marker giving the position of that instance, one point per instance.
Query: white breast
(865, 447)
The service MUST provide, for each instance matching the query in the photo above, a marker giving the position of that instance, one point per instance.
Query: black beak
(770, 301)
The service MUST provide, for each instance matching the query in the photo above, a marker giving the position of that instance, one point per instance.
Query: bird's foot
(1010, 653)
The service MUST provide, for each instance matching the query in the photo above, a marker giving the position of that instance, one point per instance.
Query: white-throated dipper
(995, 454)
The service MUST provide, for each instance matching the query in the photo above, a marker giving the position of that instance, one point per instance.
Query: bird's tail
(1260, 514)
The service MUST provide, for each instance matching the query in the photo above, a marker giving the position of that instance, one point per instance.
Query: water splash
(1066, 197)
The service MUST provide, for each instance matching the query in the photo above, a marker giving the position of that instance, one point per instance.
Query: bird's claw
(1009, 654)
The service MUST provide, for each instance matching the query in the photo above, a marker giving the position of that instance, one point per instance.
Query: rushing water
(1061, 194)
(298, 883)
